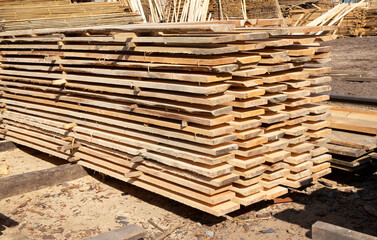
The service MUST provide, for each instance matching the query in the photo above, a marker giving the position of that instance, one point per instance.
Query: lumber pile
(212, 115)
(29, 14)
(354, 19)
(360, 22)
(353, 142)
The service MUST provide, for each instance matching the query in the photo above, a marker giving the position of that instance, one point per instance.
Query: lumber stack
(26, 14)
(207, 114)
(353, 142)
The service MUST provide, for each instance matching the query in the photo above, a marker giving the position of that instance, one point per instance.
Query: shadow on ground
(353, 204)
(6, 222)
(344, 206)
(43, 156)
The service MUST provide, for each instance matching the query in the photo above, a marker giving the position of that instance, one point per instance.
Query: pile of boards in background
(353, 19)
(353, 142)
(36, 14)
(212, 115)
(197, 10)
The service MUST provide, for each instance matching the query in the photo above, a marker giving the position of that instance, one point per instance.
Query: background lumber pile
(353, 142)
(361, 22)
(212, 115)
(30, 14)
(356, 19)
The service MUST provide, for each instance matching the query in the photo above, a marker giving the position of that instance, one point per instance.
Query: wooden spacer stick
(68, 147)
(133, 174)
(73, 159)
(59, 82)
(70, 125)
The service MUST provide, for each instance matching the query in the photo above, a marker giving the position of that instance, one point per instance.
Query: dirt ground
(91, 205)
(355, 55)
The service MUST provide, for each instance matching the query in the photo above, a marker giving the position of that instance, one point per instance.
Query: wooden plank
(245, 162)
(322, 231)
(249, 200)
(211, 100)
(189, 77)
(247, 191)
(129, 232)
(115, 112)
(356, 125)
(32, 181)
(101, 122)
(343, 150)
(84, 98)
(149, 84)
(133, 57)
(132, 65)
(321, 159)
(351, 163)
(178, 27)
(354, 140)
(275, 192)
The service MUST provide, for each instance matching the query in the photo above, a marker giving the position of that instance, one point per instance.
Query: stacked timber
(212, 115)
(26, 14)
(353, 141)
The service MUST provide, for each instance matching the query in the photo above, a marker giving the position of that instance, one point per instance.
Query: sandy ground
(354, 54)
(91, 205)
(16, 155)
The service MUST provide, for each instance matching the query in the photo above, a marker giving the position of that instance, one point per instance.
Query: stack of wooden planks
(212, 115)
(353, 142)
(26, 14)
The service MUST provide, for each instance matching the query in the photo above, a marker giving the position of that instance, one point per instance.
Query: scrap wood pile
(212, 115)
(353, 141)
(353, 19)
(30, 14)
